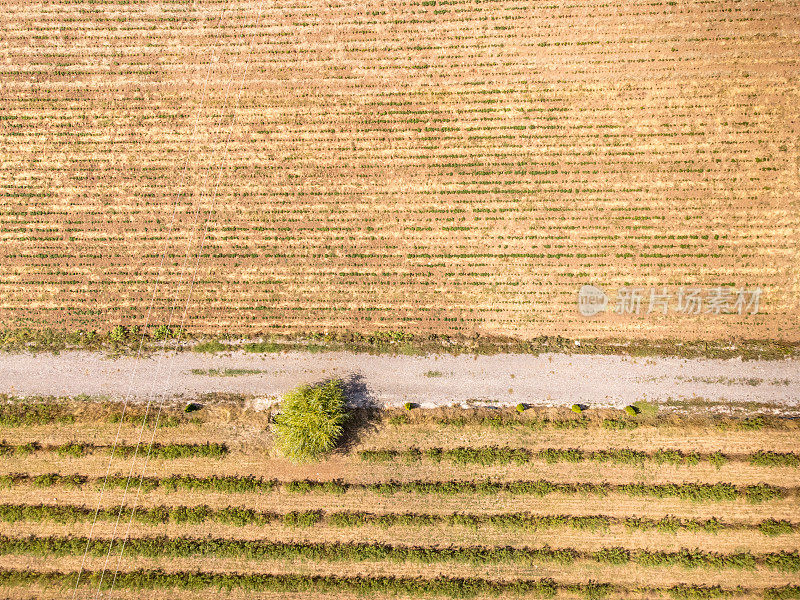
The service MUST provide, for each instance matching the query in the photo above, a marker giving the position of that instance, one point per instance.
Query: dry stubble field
(442, 166)
(417, 504)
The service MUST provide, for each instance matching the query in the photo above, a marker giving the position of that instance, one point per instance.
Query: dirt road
(427, 380)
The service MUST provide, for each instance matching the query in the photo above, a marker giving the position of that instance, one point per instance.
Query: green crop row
(775, 459)
(12, 513)
(144, 579)
(183, 547)
(78, 449)
(494, 455)
(696, 492)
(514, 420)
(22, 414)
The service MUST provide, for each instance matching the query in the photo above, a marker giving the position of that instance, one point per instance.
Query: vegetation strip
(184, 547)
(13, 513)
(696, 492)
(78, 449)
(513, 420)
(494, 455)
(122, 340)
(417, 587)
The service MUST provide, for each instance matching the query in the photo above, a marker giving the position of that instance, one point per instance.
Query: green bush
(752, 423)
(576, 408)
(761, 492)
(773, 527)
(783, 561)
(118, 334)
(614, 556)
(764, 458)
(163, 332)
(302, 518)
(631, 411)
(408, 405)
(786, 592)
(311, 421)
(520, 408)
(74, 449)
(718, 459)
(28, 448)
(554, 455)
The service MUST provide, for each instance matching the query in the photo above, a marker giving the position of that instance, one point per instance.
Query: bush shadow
(364, 412)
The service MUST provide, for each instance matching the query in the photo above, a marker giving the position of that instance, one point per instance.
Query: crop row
(364, 585)
(387, 342)
(162, 451)
(25, 413)
(696, 492)
(494, 455)
(241, 517)
(510, 420)
(184, 547)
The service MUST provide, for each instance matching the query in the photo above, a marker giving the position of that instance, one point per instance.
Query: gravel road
(434, 380)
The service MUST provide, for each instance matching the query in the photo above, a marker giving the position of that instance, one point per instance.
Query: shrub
(118, 334)
(25, 449)
(486, 456)
(787, 592)
(577, 408)
(311, 421)
(408, 406)
(718, 459)
(675, 457)
(783, 561)
(163, 332)
(632, 411)
(614, 556)
(764, 458)
(434, 454)
(302, 518)
(520, 408)
(761, 493)
(192, 407)
(752, 423)
(554, 455)
(774, 527)
(74, 449)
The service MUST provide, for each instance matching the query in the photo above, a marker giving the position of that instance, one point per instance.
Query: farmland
(446, 166)
(503, 504)
(400, 299)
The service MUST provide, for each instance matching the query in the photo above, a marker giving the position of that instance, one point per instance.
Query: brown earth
(431, 168)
